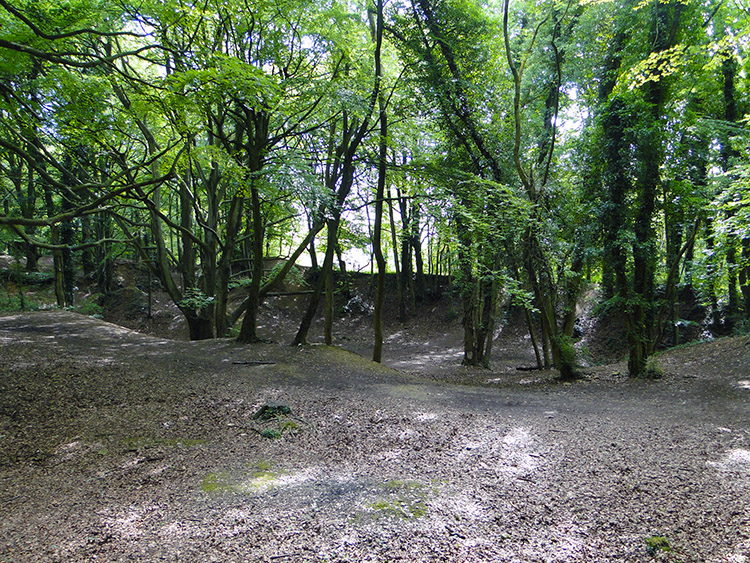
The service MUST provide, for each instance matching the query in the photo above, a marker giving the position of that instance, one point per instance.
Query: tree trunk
(88, 260)
(664, 24)
(233, 225)
(248, 330)
(330, 303)
(726, 156)
(469, 291)
(396, 260)
(405, 277)
(377, 238)
(712, 274)
(744, 276)
(312, 306)
(420, 284)
(57, 258)
(534, 340)
(200, 326)
(486, 324)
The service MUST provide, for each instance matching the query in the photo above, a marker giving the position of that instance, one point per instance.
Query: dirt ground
(116, 446)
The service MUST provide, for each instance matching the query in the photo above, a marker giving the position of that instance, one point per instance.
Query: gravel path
(116, 446)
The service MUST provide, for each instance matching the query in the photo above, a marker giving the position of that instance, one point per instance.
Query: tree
(535, 177)
(51, 88)
(449, 42)
(348, 128)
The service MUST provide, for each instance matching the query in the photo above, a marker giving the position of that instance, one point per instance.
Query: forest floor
(120, 446)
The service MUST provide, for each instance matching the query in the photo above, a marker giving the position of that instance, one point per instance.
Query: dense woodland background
(527, 150)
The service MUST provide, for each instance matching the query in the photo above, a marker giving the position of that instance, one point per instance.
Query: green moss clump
(655, 544)
(653, 369)
(263, 465)
(290, 426)
(270, 411)
(261, 477)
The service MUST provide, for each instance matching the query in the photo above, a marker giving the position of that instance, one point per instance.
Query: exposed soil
(117, 446)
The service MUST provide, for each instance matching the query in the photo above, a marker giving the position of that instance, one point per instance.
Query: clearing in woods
(116, 446)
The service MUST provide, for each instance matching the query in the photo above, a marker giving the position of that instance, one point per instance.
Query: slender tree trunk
(88, 261)
(712, 275)
(221, 297)
(187, 248)
(534, 340)
(248, 330)
(486, 329)
(420, 284)
(58, 265)
(726, 156)
(312, 306)
(405, 278)
(314, 267)
(396, 260)
(744, 276)
(330, 303)
(377, 240)
(469, 296)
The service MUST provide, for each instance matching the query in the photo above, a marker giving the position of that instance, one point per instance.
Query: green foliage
(223, 97)
(270, 411)
(21, 302)
(741, 328)
(653, 369)
(239, 282)
(568, 353)
(92, 306)
(294, 276)
(195, 299)
(451, 315)
(657, 544)
(18, 275)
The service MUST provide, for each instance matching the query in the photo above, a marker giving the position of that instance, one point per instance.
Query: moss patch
(399, 508)
(217, 482)
(402, 499)
(261, 477)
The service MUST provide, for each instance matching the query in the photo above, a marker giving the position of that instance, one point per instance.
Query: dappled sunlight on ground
(116, 446)
(735, 461)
